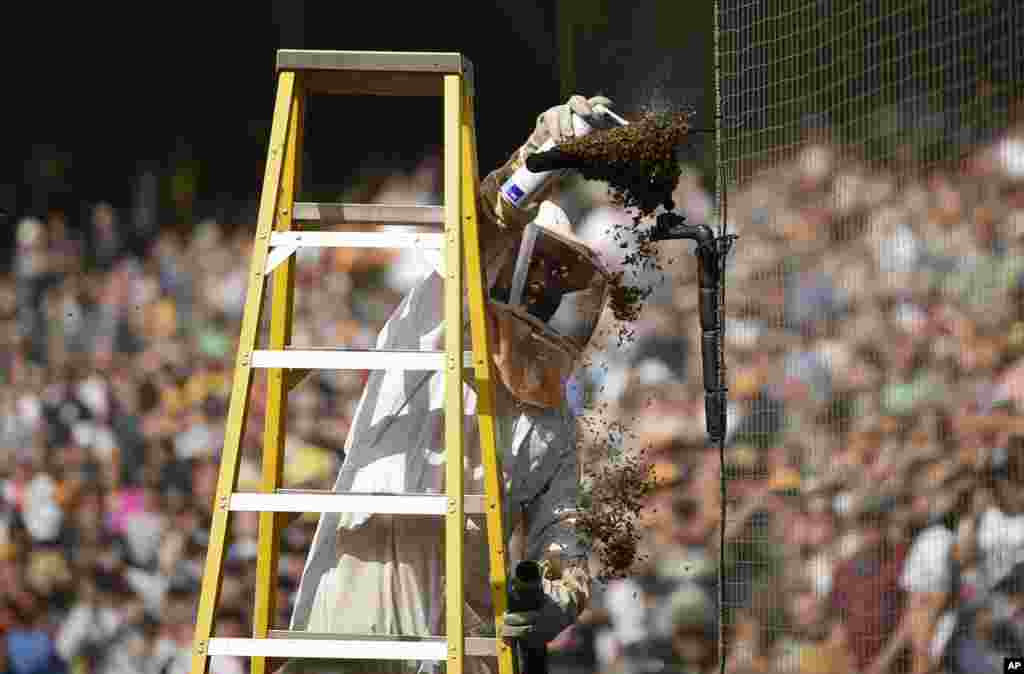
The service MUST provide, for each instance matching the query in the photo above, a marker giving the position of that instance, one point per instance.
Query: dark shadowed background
(97, 96)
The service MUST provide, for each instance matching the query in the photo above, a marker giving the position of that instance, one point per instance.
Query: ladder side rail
(482, 370)
(242, 382)
(453, 405)
(282, 312)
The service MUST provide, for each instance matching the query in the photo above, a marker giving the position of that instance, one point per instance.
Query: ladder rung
(309, 501)
(372, 214)
(295, 644)
(353, 359)
(285, 244)
(425, 240)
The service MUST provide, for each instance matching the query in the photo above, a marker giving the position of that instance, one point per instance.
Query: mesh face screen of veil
(555, 282)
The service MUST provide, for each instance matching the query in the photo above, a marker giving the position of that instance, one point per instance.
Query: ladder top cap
(442, 63)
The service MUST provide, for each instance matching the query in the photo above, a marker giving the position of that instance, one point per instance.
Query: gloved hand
(564, 598)
(519, 625)
(556, 123)
(553, 124)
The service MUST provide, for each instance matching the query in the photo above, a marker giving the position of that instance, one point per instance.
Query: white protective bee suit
(384, 574)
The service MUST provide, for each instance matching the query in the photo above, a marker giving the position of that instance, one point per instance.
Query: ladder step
(295, 644)
(294, 240)
(375, 73)
(310, 501)
(353, 359)
(368, 214)
(285, 244)
(448, 63)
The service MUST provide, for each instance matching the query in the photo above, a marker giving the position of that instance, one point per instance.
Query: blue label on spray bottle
(513, 192)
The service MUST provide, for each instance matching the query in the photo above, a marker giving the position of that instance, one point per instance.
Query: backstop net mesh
(871, 159)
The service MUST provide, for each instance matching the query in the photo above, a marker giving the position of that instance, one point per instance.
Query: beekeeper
(382, 574)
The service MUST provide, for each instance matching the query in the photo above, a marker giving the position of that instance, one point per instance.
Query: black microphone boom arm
(711, 253)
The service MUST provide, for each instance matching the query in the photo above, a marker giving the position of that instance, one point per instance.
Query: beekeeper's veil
(546, 292)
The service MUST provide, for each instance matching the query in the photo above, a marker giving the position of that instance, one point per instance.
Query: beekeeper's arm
(555, 123)
(554, 542)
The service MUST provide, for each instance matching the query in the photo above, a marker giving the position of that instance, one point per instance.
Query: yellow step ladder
(279, 235)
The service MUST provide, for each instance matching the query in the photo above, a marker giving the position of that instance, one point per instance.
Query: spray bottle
(524, 183)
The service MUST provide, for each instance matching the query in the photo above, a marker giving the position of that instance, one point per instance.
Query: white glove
(553, 124)
(556, 123)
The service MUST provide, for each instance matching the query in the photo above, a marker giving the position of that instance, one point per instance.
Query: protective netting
(872, 161)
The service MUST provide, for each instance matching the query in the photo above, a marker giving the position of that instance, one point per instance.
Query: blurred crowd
(875, 454)
(875, 457)
(116, 379)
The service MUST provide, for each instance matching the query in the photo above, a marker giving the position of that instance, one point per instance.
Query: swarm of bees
(638, 161)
